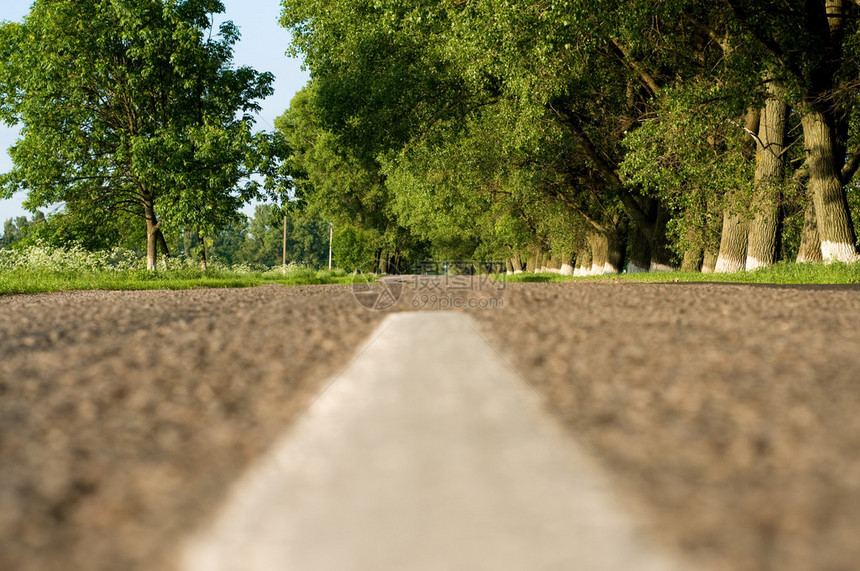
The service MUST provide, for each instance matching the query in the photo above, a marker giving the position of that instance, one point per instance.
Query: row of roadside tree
(585, 135)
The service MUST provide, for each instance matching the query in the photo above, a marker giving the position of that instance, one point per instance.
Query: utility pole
(284, 250)
(330, 237)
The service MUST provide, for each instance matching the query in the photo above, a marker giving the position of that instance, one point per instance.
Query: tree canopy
(582, 136)
(132, 107)
(645, 134)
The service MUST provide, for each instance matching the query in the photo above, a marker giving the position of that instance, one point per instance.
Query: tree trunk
(661, 255)
(583, 262)
(378, 261)
(203, 264)
(152, 226)
(734, 235)
(535, 262)
(835, 228)
(763, 238)
(709, 261)
(733, 244)
(640, 252)
(810, 242)
(151, 247)
(541, 263)
(517, 263)
(284, 247)
(692, 260)
(694, 251)
(599, 245)
(567, 263)
(617, 250)
(509, 266)
(162, 243)
(187, 242)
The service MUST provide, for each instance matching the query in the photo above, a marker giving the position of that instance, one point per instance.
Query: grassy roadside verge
(21, 281)
(784, 273)
(34, 281)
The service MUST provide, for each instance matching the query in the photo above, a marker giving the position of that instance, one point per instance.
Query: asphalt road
(725, 415)
(428, 452)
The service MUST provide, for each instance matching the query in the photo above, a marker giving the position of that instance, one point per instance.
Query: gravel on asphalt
(727, 414)
(124, 416)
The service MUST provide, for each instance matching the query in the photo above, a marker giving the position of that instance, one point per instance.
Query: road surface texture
(426, 453)
(729, 413)
(124, 416)
(726, 415)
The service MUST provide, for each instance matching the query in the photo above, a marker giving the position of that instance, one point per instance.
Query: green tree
(343, 183)
(131, 106)
(790, 64)
(307, 240)
(420, 67)
(676, 120)
(258, 242)
(20, 228)
(91, 230)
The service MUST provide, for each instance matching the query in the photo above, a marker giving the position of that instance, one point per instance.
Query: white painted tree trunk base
(728, 266)
(566, 270)
(755, 264)
(655, 267)
(634, 269)
(839, 252)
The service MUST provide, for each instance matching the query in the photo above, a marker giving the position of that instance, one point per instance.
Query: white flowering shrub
(44, 258)
(291, 269)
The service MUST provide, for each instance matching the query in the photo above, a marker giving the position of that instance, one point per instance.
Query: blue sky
(262, 47)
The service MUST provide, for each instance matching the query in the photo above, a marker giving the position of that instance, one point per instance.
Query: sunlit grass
(37, 269)
(781, 273)
(41, 268)
(36, 281)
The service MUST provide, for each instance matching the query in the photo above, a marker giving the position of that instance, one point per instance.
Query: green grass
(781, 273)
(34, 281)
(17, 281)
